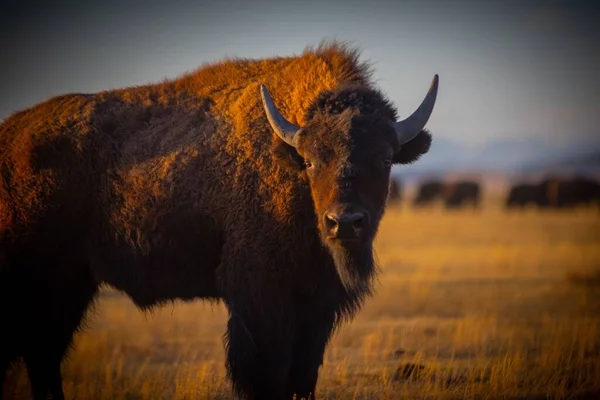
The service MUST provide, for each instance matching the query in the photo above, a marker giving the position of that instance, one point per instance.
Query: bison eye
(308, 164)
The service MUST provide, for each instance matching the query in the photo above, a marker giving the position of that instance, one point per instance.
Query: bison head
(345, 152)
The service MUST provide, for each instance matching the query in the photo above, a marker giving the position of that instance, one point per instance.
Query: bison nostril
(331, 221)
(354, 220)
(358, 222)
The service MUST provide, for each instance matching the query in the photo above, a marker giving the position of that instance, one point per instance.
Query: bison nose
(345, 225)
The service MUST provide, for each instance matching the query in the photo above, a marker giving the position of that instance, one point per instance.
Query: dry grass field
(470, 305)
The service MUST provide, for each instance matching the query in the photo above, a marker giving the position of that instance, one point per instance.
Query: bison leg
(8, 345)
(44, 375)
(5, 362)
(50, 299)
(43, 359)
(313, 330)
(259, 349)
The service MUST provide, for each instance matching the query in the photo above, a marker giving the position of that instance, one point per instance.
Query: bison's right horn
(409, 128)
(282, 127)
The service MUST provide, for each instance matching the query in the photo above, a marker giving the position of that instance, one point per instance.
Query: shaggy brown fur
(182, 190)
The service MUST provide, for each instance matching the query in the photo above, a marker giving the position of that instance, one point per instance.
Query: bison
(453, 195)
(520, 195)
(460, 193)
(555, 193)
(258, 183)
(428, 193)
(577, 192)
(542, 195)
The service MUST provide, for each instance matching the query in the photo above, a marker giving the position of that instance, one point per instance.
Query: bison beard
(355, 265)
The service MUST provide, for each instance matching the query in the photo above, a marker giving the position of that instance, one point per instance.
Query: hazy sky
(507, 68)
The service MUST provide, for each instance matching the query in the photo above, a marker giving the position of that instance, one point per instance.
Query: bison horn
(282, 127)
(409, 128)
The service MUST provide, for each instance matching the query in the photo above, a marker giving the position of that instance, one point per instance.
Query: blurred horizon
(516, 78)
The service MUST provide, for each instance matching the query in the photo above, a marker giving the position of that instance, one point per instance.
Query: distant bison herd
(453, 195)
(555, 193)
(549, 193)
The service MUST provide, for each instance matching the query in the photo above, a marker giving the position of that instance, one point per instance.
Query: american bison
(459, 194)
(428, 193)
(521, 195)
(204, 187)
(555, 193)
(578, 191)
(543, 194)
(453, 195)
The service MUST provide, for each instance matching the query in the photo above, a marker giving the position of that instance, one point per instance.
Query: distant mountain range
(507, 157)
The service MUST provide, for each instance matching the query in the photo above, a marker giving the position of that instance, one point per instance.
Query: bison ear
(411, 151)
(287, 156)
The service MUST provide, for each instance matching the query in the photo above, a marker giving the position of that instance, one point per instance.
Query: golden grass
(471, 304)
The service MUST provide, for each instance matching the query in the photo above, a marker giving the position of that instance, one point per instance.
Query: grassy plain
(471, 304)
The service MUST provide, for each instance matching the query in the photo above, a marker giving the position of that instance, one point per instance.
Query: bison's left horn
(282, 127)
(410, 127)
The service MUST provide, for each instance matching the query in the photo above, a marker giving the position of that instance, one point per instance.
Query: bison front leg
(5, 362)
(259, 349)
(314, 328)
(48, 309)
